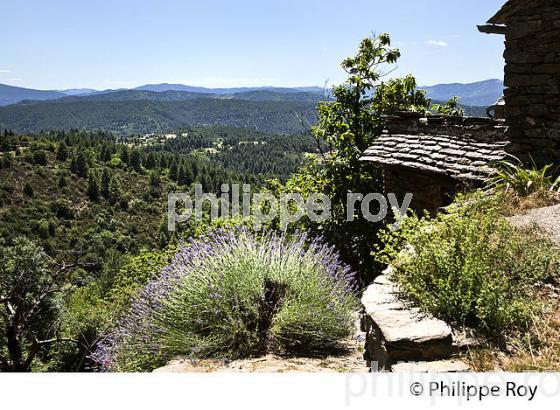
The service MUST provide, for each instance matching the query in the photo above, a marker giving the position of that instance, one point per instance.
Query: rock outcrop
(399, 333)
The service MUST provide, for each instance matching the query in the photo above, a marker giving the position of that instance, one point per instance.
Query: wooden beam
(492, 28)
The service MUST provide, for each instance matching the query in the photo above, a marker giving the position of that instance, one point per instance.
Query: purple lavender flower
(162, 315)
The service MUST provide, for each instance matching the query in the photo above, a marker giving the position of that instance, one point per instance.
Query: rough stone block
(397, 332)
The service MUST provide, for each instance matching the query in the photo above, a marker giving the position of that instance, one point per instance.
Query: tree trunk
(14, 349)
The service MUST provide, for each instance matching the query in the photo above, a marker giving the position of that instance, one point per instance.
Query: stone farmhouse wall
(532, 80)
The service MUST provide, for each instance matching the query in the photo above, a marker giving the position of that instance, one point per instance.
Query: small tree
(80, 165)
(28, 190)
(125, 154)
(115, 191)
(346, 126)
(62, 152)
(136, 160)
(93, 187)
(151, 161)
(174, 171)
(62, 181)
(29, 284)
(105, 183)
(40, 157)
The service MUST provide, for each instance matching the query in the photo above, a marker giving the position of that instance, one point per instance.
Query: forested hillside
(99, 203)
(68, 190)
(143, 116)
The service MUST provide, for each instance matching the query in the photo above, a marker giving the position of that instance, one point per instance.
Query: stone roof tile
(456, 156)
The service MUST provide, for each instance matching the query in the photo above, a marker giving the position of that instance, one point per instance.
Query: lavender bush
(234, 294)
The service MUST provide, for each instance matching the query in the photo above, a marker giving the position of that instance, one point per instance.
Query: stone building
(532, 76)
(433, 158)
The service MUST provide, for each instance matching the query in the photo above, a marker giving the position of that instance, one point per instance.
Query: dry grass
(513, 204)
(537, 350)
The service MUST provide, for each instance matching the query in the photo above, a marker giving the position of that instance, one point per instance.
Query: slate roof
(510, 8)
(456, 156)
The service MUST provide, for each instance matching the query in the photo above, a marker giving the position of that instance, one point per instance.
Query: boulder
(397, 332)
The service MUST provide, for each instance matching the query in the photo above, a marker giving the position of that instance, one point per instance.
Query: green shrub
(231, 295)
(40, 157)
(523, 181)
(471, 268)
(28, 190)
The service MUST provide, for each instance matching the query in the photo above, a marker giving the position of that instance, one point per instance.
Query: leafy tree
(62, 180)
(400, 94)
(105, 183)
(93, 187)
(451, 107)
(81, 167)
(115, 191)
(155, 179)
(185, 176)
(62, 152)
(174, 171)
(346, 127)
(8, 160)
(125, 154)
(40, 157)
(5, 143)
(29, 284)
(136, 160)
(28, 190)
(150, 161)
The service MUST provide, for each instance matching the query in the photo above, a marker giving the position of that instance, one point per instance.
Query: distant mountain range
(12, 95)
(163, 107)
(483, 93)
(201, 90)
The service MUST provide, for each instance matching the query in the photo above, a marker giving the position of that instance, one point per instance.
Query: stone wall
(433, 190)
(532, 78)
(430, 191)
(480, 129)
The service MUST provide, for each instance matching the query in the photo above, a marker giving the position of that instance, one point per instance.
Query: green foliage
(29, 284)
(234, 295)
(62, 152)
(470, 267)
(28, 190)
(523, 181)
(135, 274)
(346, 127)
(80, 165)
(400, 94)
(142, 116)
(451, 108)
(40, 157)
(93, 187)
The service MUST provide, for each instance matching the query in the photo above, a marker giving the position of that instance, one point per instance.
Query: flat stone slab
(397, 332)
(546, 218)
(439, 366)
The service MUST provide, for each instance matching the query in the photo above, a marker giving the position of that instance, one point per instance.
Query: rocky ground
(351, 360)
(546, 218)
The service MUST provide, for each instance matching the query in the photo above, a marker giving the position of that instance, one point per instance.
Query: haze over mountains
(163, 107)
(475, 94)
(483, 93)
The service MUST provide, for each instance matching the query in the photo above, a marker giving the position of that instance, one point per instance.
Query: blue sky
(59, 44)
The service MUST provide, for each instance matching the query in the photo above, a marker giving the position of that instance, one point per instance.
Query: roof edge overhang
(492, 28)
(507, 10)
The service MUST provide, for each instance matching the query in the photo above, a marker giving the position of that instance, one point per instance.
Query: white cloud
(4, 71)
(437, 43)
(15, 80)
